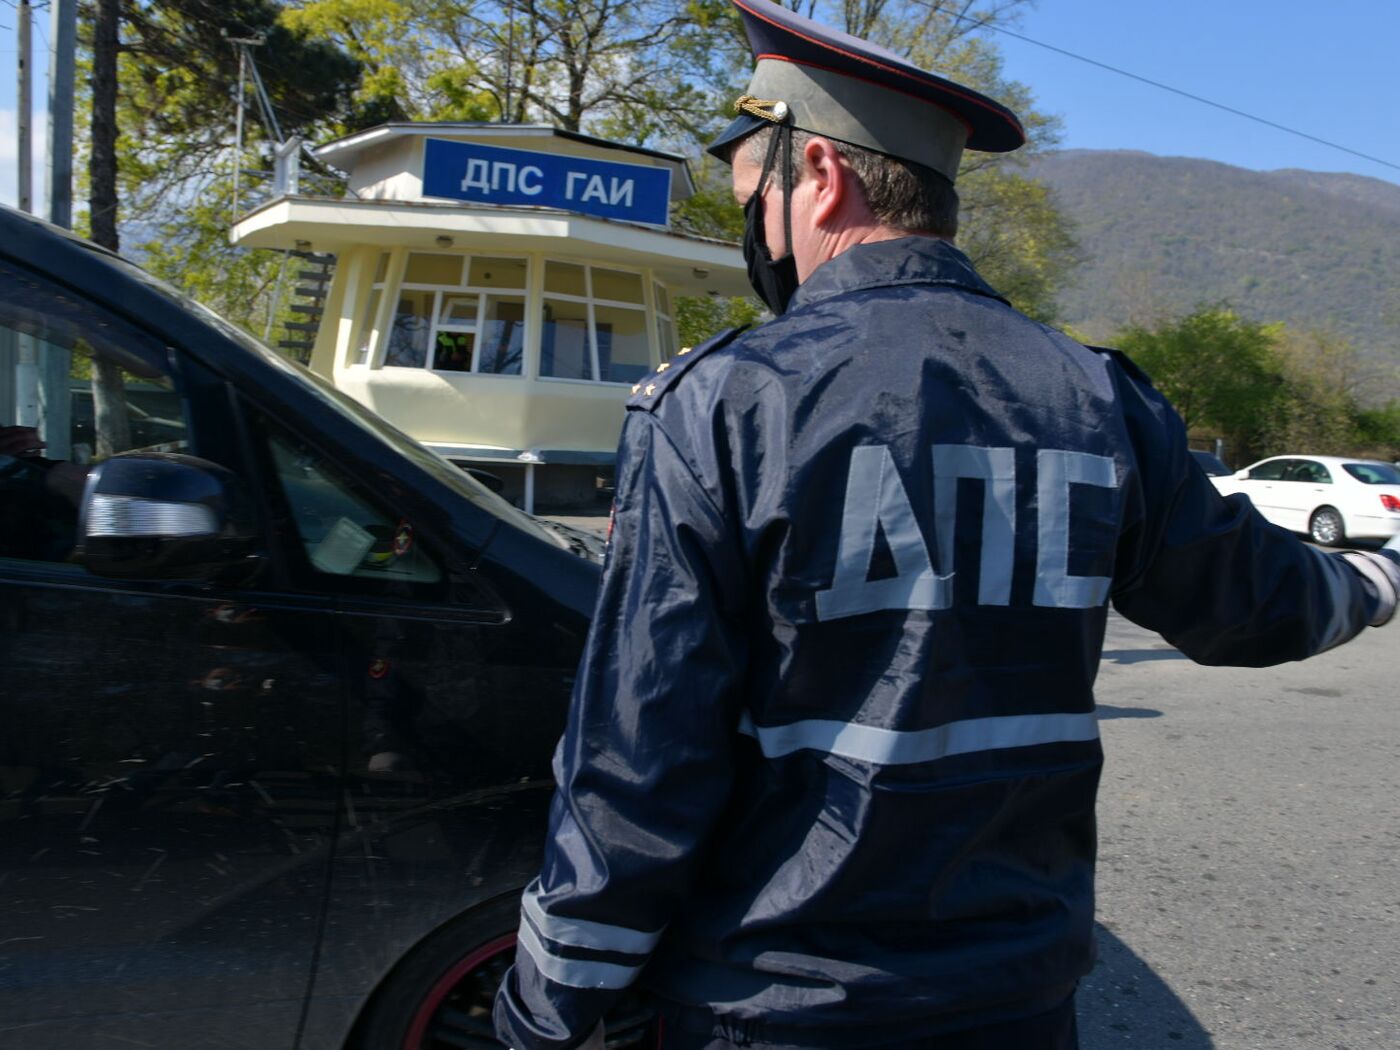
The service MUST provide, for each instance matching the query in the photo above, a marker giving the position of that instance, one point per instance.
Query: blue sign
(467, 171)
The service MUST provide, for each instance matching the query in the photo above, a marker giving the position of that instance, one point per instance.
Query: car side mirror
(147, 515)
(1241, 475)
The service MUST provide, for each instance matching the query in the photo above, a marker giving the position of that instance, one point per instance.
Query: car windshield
(1373, 473)
(351, 409)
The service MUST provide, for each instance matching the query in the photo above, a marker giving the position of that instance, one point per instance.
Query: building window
(595, 324)
(460, 313)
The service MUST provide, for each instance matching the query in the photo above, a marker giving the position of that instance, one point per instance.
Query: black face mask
(774, 281)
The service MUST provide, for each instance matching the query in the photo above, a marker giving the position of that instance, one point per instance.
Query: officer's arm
(1211, 575)
(644, 765)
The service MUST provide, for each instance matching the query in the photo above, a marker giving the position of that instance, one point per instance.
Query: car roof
(1333, 461)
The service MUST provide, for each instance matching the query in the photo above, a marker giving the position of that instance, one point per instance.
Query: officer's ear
(835, 188)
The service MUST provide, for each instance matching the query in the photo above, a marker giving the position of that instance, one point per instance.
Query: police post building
(498, 289)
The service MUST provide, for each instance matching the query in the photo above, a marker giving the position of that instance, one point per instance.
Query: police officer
(828, 778)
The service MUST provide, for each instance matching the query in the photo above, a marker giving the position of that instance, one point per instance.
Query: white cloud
(9, 160)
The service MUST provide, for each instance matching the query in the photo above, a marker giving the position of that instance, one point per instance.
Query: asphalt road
(1249, 854)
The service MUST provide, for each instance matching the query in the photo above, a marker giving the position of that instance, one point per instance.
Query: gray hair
(901, 194)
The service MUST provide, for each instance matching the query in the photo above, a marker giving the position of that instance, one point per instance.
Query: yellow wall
(496, 411)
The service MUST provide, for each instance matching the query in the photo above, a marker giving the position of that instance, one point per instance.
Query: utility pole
(63, 33)
(241, 45)
(238, 127)
(111, 419)
(26, 108)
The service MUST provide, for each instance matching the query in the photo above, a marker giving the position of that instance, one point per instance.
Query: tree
(1321, 406)
(1317, 407)
(1217, 369)
(619, 67)
(159, 162)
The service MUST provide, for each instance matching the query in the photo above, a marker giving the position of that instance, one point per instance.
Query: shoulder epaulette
(647, 392)
(1125, 362)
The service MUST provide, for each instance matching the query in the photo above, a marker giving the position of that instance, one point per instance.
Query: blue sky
(1327, 70)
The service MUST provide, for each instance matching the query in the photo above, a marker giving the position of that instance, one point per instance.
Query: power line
(1178, 91)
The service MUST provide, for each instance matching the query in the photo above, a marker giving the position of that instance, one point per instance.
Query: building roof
(692, 265)
(342, 152)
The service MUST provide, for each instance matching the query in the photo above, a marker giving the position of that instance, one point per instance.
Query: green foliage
(1266, 389)
(1216, 368)
(176, 77)
(1016, 238)
(1378, 431)
(192, 251)
(700, 317)
(1316, 408)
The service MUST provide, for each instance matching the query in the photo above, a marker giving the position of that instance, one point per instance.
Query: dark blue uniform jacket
(830, 769)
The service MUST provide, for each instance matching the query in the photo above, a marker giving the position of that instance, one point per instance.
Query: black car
(1211, 464)
(278, 694)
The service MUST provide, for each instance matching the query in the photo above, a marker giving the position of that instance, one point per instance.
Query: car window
(1270, 471)
(77, 386)
(1307, 470)
(1373, 473)
(343, 532)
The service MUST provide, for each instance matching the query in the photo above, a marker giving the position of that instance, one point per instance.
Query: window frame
(1282, 466)
(200, 395)
(465, 288)
(294, 566)
(589, 301)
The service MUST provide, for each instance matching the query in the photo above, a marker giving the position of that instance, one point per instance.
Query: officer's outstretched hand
(1382, 571)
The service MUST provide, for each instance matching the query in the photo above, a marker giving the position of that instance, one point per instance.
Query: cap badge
(773, 110)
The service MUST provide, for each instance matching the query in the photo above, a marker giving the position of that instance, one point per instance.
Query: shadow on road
(1124, 1003)
(1106, 711)
(1139, 656)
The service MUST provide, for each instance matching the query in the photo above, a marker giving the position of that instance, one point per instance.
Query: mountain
(1161, 235)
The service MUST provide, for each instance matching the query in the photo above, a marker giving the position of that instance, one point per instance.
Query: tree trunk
(102, 167)
(111, 420)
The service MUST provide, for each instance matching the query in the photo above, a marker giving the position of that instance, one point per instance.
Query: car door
(170, 764)
(1307, 485)
(1263, 486)
(457, 684)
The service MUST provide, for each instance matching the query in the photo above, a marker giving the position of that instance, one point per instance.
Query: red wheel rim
(448, 981)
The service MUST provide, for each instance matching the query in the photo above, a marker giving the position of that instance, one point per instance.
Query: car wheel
(440, 996)
(1326, 527)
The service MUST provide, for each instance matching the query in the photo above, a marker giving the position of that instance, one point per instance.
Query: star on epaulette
(647, 393)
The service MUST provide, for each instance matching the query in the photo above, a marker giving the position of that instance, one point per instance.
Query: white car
(1331, 498)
